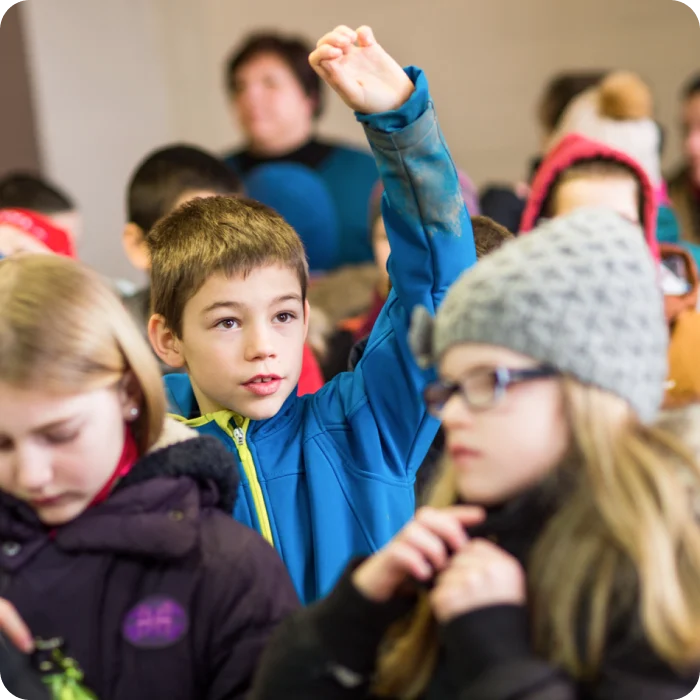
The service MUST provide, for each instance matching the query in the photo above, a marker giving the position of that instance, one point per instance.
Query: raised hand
(478, 576)
(365, 76)
(421, 550)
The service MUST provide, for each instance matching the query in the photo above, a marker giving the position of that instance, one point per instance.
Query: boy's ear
(136, 248)
(165, 343)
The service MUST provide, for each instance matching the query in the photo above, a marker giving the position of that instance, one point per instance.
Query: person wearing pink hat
(24, 231)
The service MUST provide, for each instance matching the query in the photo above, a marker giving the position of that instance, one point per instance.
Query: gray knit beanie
(579, 293)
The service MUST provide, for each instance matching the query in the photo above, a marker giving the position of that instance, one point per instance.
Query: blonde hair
(626, 539)
(63, 331)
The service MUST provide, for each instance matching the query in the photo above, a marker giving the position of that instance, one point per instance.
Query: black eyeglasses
(482, 388)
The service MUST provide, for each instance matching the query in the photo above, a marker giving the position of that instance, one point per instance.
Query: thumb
(365, 36)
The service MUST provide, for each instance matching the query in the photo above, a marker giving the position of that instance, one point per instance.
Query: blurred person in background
(24, 231)
(506, 203)
(684, 186)
(277, 100)
(20, 190)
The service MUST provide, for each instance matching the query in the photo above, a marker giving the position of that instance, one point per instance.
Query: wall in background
(113, 80)
(102, 101)
(18, 140)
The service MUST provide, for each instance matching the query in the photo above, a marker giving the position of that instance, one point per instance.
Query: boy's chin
(262, 408)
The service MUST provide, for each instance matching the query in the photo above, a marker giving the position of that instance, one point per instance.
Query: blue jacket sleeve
(427, 222)
(430, 234)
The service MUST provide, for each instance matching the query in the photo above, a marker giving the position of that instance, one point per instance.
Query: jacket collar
(183, 406)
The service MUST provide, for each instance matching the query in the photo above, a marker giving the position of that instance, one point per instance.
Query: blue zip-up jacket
(331, 475)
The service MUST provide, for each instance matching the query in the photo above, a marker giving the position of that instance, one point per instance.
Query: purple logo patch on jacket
(155, 623)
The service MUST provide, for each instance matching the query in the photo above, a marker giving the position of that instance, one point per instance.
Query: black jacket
(156, 592)
(328, 651)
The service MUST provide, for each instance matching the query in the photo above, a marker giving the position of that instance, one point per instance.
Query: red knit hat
(40, 228)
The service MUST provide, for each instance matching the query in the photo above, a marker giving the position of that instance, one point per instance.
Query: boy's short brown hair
(229, 235)
(488, 235)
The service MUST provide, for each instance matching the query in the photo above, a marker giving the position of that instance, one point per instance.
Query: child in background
(23, 231)
(619, 113)
(579, 172)
(26, 191)
(118, 548)
(684, 185)
(330, 475)
(164, 180)
(505, 203)
(552, 359)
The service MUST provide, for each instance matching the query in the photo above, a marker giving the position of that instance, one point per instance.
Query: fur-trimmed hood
(573, 150)
(182, 452)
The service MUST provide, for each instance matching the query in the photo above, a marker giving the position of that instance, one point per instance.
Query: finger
(467, 515)
(365, 36)
(324, 53)
(481, 547)
(430, 545)
(337, 38)
(343, 29)
(408, 559)
(13, 626)
(445, 525)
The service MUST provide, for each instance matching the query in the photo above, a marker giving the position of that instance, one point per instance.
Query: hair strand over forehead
(63, 331)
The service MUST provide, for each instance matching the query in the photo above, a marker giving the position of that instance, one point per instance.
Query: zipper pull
(239, 435)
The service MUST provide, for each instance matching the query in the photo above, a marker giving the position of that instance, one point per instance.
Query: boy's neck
(204, 403)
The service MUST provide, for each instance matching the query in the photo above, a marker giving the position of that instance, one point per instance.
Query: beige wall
(486, 59)
(101, 99)
(121, 77)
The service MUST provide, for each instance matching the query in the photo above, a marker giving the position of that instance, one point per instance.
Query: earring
(134, 412)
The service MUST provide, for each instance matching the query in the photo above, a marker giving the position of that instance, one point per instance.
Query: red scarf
(130, 454)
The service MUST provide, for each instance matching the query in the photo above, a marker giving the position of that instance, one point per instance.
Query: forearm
(427, 222)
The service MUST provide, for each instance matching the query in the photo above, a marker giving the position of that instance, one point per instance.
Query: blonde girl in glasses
(574, 570)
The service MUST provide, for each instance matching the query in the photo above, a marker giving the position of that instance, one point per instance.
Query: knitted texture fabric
(580, 294)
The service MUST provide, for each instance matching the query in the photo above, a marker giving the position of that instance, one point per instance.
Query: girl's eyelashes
(62, 438)
(285, 317)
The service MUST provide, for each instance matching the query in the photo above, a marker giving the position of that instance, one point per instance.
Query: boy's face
(691, 127)
(242, 341)
(619, 194)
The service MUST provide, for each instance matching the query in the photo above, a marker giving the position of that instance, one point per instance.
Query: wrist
(416, 101)
(403, 94)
